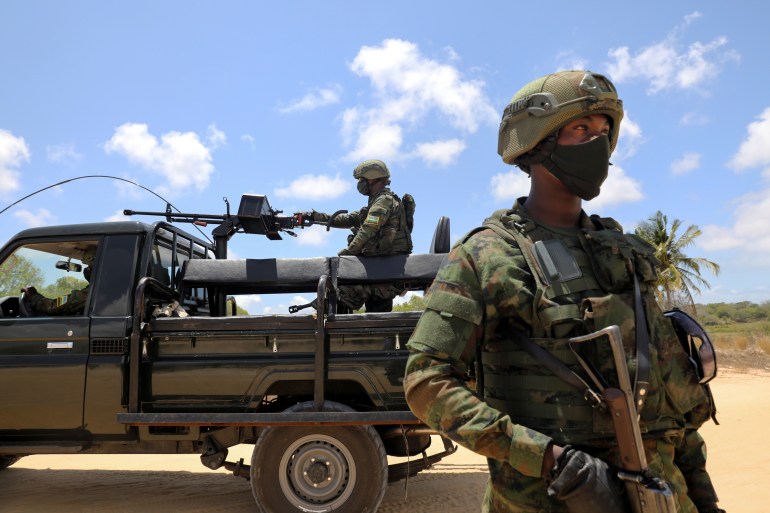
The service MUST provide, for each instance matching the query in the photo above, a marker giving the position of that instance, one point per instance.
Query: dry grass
(742, 350)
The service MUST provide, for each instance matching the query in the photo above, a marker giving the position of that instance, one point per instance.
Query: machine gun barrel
(179, 217)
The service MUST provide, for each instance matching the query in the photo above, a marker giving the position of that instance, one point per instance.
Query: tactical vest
(394, 238)
(598, 293)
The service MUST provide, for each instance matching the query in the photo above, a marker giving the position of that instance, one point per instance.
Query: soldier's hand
(29, 291)
(586, 484)
(344, 252)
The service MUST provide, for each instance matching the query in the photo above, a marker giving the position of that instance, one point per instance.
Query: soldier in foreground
(537, 275)
(382, 228)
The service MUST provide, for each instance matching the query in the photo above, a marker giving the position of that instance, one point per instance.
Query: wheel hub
(318, 471)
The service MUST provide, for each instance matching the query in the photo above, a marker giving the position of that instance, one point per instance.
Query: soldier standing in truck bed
(382, 228)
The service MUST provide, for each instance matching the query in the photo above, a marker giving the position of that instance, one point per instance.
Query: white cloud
(283, 307)
(313, 236)
(617, 189)
(630, 139)
(41, 217)
(249, 140)
(693, 118)
(377, 140)
(665, 66)
(400, 300)
(441, 153)
(13, 152)
(569, 60)
(510, 185)
(215, 137)
(314, 100)
(315, 187)
(750, 230)
(117, 216)
(715, 238)
(62, 153)
(408, 88)
(248, 301)
(688, 162)
(182, 159)
(755, 149)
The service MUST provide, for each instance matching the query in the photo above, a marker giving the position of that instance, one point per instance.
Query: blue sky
(203, 100)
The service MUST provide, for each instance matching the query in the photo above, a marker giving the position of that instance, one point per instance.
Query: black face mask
(363, 186)
(582, 168)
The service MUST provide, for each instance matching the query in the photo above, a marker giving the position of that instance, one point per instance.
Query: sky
(199, 101)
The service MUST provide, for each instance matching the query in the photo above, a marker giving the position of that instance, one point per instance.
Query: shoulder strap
(642, 379)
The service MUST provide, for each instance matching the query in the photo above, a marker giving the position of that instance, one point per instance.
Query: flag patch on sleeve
(372, 219)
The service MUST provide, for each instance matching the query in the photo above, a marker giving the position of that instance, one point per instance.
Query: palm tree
(679, 275)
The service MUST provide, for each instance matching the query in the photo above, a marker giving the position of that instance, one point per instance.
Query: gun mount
(255, 216)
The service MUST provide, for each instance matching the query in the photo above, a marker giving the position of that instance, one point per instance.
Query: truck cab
(46, 360)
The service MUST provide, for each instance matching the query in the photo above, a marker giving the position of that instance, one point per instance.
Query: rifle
(646, 494)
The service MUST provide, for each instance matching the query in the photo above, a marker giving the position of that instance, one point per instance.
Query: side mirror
(66, 265)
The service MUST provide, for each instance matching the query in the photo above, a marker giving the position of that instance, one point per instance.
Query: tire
(313, 469)
(7, 461)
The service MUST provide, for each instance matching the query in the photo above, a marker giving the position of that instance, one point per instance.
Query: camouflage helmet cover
(548, 103)
(371, 169)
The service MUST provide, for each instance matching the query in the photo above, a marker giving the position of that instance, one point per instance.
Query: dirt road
(160, 484)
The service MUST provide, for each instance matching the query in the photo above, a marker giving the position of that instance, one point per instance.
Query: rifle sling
(558, 367)
(642, 378)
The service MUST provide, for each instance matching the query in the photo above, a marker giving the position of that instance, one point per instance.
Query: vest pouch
(610, 310)
(518, 384)
(645, 261)
(610, 254)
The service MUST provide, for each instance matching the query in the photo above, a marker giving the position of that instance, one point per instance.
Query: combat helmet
(548, 103)
(371, 169)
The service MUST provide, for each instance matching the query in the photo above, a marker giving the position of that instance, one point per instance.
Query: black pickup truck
(155, 361)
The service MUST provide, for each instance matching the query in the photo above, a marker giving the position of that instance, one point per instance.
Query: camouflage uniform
(379, 229)
(487, 290)
(72, 304)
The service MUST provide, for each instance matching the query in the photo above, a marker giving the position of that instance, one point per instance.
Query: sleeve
(376, 217)
(349, 220)
(42, 304)
(71, 304)
(443, 345)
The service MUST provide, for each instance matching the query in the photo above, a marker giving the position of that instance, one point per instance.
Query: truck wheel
(7, 461)
(314, 469)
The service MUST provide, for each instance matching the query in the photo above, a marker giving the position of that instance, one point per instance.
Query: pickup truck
(156, 361)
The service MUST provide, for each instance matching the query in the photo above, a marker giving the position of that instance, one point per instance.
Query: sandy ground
(738, 462)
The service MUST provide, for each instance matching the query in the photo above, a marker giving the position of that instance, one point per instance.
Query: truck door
(44, 351)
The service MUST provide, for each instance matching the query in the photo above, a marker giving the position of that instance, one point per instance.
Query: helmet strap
(537, 155)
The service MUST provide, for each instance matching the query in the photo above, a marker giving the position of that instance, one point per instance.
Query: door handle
(59, 345)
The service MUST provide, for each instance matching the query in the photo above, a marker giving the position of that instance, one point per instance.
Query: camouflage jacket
(379, 229)
(487, 287)
(72, 304)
